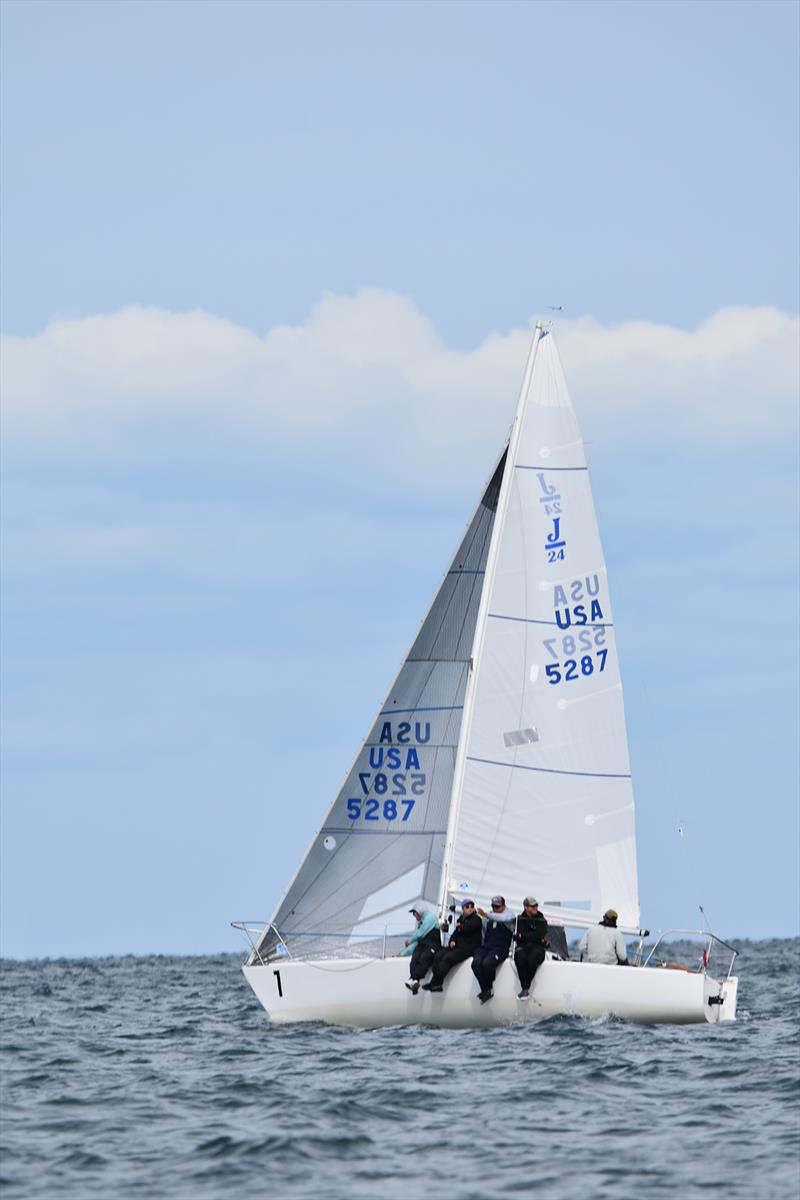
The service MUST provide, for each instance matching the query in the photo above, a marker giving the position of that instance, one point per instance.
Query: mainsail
(381, 845)
(542, 799)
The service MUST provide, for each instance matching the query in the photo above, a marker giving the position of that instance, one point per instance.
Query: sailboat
(497, 763)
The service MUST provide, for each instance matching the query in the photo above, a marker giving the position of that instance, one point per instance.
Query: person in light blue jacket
(422, 946)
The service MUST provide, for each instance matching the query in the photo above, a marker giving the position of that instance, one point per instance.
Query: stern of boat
(720, 999)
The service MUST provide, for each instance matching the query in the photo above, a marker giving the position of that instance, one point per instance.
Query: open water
(160, 1077)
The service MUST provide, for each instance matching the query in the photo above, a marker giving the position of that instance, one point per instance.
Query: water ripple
(160, 1078)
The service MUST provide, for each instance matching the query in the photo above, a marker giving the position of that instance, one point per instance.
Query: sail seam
(385, 832)
(537, 621)
(524, 467)
(551, 770)
(388, 712)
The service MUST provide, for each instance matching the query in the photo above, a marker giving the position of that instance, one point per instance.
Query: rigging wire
(694, 880)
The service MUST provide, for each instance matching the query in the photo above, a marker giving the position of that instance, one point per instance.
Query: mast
(480, 624)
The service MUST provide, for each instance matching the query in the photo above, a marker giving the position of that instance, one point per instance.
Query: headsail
(543, 799)
(380, 847)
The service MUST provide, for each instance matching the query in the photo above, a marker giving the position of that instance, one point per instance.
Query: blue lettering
(418, 730)
(392, 758)
(563, 624)
(412, 759)
(375, 757)
(589, 591)
(403, 730)
(597, 612)
(559, 595)
(386, 732)
(579, 613)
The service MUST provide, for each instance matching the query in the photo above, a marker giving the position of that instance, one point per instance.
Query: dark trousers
(485, 962)
(529, 957)
(421, 960)
(445, 960)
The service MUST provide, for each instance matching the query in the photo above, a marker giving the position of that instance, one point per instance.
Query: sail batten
(549, 770)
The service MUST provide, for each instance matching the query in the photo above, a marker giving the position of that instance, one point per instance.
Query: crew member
(604, 943)
(465, 940)
(422, 946)
(531, 938)
(497, 932)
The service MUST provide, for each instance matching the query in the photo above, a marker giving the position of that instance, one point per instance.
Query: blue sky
(269, 271)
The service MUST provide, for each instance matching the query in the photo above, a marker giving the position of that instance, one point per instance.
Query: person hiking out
(422, 946)
(465, 940)
(531, 938)
(497, 933)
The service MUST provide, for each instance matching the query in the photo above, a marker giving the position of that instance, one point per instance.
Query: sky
(269, 277)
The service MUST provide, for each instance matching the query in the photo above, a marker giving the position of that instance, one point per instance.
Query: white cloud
(368, 374)
(364, 405)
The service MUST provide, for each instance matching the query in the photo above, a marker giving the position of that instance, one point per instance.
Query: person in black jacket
(462, 945)
(496, 944)
(531, 938)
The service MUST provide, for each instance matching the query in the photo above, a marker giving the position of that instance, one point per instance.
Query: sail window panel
(520, 737)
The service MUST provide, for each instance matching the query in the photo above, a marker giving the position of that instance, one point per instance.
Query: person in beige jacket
(604, 943)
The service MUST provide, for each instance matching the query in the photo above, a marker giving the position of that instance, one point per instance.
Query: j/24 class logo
(555, 543)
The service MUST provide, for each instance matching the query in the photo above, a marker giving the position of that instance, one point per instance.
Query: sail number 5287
(374, 810)
(573, 668)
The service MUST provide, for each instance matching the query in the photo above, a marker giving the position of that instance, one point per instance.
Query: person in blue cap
(422, 946)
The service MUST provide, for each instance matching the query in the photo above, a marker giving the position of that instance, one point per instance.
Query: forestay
(543, 798)
(381, 845)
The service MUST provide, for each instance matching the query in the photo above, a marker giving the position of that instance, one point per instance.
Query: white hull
(370, 994)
